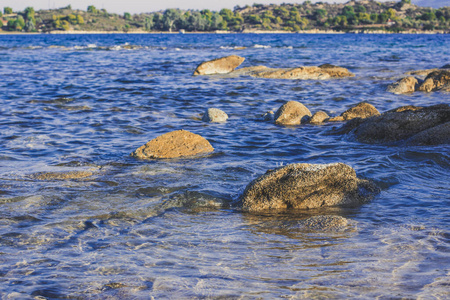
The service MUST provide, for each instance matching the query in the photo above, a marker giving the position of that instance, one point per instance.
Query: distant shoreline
(313, 31)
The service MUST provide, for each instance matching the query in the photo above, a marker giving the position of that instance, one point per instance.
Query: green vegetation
(363, 15)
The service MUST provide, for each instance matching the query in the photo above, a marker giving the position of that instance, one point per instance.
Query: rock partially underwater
(214, 115)
(292, 113)
(221, 65)
(179, 143)
(435, 80)
(410, 124)
(307, 186)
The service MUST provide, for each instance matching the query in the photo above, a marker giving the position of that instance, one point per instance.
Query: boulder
(214, 115)
(361, 110)
(336, 71)
(62, 175)
(446, 66)
(307, 186)
(222, 65)
(404, 86)
(319, 117)
(399, 124)
(174, 144)
(437, 135)
(435, 80)
(292, 113)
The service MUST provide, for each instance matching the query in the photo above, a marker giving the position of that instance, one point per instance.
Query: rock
(319, 117)
(446, 66)
(325, 223)
(214, 115)
(62, 175)
(305, 73)
(422, 73)
(361, 110)
(307, 186)
(292, 113)
(435, 80)
(437, 135)
(404, 86)
(397, 125)
(219, 66)
(268, 116)
(405, 108)
(174, 144)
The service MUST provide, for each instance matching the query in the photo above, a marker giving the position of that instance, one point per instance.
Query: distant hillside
(353, 16)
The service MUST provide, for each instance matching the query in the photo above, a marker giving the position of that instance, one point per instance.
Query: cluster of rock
(295, 113)
(228, 65)
(435, 80)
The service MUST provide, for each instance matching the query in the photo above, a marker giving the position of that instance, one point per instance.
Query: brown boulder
(292, 113)
(361, 110)
(336, 71)
(222, 65)
(319, 117)
(404, 86)
(174, 144)
(307, 186)
(398, 125)
(435, 80)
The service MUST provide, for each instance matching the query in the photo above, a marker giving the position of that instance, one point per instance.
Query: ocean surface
(157, 229)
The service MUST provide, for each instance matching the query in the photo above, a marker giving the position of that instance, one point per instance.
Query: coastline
(312, 31)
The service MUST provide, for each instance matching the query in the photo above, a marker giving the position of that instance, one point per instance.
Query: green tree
(320, 14)
(169, 18)
(226, 14)
(406, 1)
(148, 24)
(91, 9)
(72, 19)
(80, 19)
(7, 10)
(127, 16)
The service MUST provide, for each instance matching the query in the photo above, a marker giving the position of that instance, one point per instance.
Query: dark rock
(306, 186)
(398, 125)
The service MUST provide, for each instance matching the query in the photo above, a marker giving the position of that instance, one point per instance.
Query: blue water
(169, 229)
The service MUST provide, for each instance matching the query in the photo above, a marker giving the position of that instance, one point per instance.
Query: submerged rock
(214, 115)
(174, 144)
(268, 116)
(62, 175)
(361, 110)
(404, 86)
(292, 113)
(306, 186)
(319, 117)
(435, 81)
(222, 65)
(402, 124)
(325, 223)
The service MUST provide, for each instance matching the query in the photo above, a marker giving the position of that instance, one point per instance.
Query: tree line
(288, 17)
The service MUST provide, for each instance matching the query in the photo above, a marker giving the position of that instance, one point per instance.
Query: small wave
(261, 46)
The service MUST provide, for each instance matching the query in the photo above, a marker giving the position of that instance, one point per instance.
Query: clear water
(169, 229)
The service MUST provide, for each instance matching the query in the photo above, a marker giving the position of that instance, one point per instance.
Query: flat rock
(307, 186)
(422, 73)
(319, 117)
(399, 125)
(222, 65)
(292, 113)
(302, 72)
(435, 81)
(214, 115)
(62, 175)
(179, 143)
(404, 86)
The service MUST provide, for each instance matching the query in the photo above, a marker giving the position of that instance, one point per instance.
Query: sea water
(122, 228)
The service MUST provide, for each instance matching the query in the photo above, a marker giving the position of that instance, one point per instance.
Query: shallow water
(170, 229)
